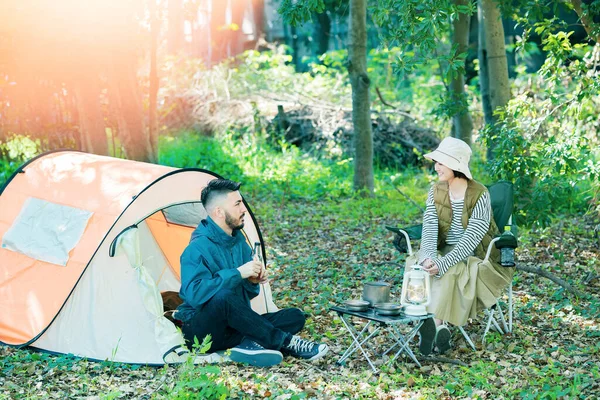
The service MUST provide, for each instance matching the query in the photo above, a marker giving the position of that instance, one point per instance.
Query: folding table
(384, 324)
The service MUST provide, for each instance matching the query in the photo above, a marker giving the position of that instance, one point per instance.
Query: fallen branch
(546, 274)
(444, 360)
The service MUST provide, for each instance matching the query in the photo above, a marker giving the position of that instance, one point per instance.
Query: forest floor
(321, 253)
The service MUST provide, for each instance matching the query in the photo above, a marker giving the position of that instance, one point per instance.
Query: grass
(323, 243)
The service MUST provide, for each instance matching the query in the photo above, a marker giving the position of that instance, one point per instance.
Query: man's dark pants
(228, 319)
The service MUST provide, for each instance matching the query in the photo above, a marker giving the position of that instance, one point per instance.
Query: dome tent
(88, 244)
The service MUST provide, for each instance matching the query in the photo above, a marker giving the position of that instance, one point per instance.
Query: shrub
(545, 138)
(15, 151)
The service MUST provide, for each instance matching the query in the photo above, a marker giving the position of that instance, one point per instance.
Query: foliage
(298, 12)
(323, 243)
(13, 153)
(415, 43)
(65, 63)
(547, 138)
(282, 174)
(417, 91)
(320, 253)
(420, 29)
(196, 381)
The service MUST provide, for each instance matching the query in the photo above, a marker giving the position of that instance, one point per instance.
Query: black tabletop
(371, 315)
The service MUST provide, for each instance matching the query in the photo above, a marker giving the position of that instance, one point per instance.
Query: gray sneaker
(305, 349)
(250, 352)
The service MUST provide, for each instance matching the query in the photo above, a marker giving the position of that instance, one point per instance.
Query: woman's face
(444, 173)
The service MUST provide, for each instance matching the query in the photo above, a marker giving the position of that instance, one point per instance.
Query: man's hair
(217, 188)
(458, 174)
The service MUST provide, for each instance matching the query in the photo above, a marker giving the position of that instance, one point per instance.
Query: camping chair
(501, 196)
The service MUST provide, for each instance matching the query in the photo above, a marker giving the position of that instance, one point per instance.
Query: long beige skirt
(465, 289)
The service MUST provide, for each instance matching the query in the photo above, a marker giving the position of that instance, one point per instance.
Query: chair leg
(467, 338)
(502, 319)
(510, 307)
(496, 325)
(487, 326)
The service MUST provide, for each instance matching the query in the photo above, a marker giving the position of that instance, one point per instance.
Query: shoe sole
(262, 358)
(442, 340)
(427, 339)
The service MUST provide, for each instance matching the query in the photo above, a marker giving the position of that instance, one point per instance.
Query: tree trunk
(153, 89)
(509, 40)
(258, 8)
(322, 32)
(175, 34)
(496, 58)
(496, 54)
(218, 40)
(361, 116)
(128, 99)
(295, 51)
(463, 125)
(484, 82)
(586, 19)
(236, 36)
(91, 121)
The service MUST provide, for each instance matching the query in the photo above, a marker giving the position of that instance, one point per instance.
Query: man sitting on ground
(218, 280)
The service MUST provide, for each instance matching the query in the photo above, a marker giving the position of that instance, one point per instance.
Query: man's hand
(252, 269)
(262, 277)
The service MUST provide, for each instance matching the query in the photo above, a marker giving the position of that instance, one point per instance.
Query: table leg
(404, 342)
(357, 345)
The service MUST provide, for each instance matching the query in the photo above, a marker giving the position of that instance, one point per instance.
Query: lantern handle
(410, 250)
(489, 250)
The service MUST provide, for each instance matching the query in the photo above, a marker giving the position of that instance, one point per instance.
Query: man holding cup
(219, 277)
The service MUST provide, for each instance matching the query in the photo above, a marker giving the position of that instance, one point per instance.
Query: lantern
(506, 243)
(416, 291)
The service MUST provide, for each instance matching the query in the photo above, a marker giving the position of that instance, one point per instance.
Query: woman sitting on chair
(458, 226)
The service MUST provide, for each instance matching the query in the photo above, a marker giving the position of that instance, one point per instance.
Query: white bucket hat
(454, 154)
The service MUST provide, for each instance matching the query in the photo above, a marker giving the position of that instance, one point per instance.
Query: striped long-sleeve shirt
(464, 240)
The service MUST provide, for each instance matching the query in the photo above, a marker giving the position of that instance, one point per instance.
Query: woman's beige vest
(443, 207)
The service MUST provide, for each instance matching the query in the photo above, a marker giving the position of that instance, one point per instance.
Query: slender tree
(361, 105)
(295, 12)
(499, 86)
(462, 123)
(175, 34)
(587, 19)
(322, 32)
(484, 85)
(154, 82)
(91, 120)
(258, 10)
(496, 54)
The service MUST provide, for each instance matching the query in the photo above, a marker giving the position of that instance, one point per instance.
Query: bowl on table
(388, 308)
(356, 305)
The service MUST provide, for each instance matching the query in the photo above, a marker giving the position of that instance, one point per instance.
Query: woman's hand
(430, 267)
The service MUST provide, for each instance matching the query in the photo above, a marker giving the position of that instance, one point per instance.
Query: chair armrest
(412, 232)
(489, 249)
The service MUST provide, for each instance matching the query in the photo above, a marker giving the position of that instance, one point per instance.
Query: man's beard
(232, 223)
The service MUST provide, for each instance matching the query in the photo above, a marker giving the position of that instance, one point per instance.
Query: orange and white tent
(88, 244)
